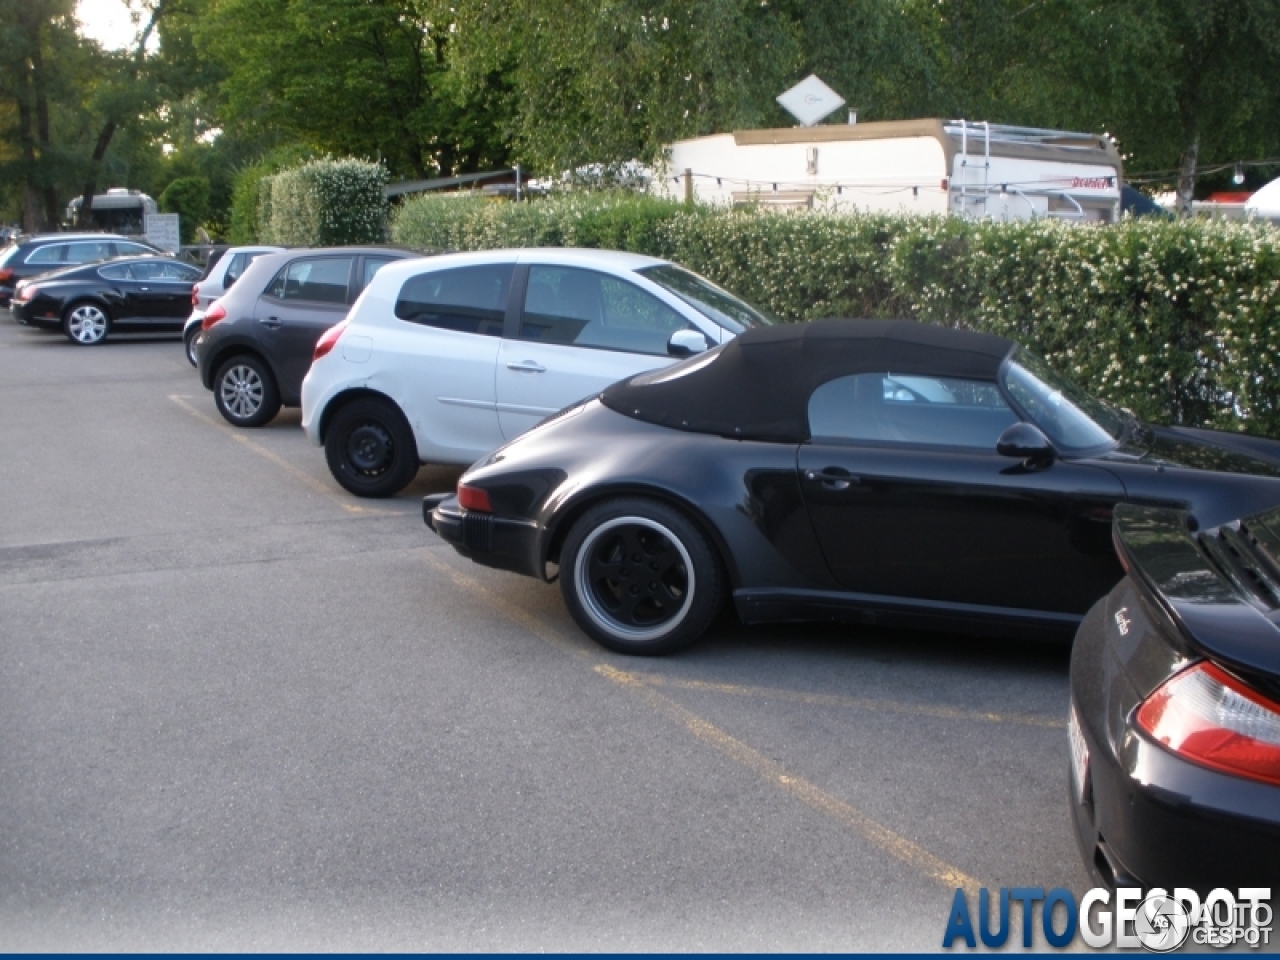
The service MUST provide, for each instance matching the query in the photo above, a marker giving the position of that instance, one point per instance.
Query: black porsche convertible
(863, 470)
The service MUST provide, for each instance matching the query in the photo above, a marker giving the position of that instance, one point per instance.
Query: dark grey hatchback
(257, 341)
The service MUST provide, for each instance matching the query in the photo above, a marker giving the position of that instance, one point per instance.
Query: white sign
(162, 231)
(810, 100)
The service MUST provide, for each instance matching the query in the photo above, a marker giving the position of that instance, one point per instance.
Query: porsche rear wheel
(639, 577)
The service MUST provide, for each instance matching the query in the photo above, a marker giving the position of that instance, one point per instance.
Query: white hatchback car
(217, 280)
(442, 360)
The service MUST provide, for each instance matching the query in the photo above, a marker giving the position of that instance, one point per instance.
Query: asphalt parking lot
(240, 709)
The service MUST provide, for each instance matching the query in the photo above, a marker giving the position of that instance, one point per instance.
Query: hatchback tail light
(195, 297)
(328, 340)
(1207, 716)
(474, 498)
(216, 312)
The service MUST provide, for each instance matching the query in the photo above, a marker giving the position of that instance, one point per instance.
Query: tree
(367, 79)
(189, 198)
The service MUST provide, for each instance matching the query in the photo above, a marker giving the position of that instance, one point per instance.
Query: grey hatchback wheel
(245, 392)
(86, 324)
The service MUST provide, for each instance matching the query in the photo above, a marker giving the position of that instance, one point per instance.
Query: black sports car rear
(862, 470)
(1175, 708)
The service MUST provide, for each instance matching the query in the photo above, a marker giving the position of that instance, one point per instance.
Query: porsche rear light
(328, 340)
(474, 498)
(216, 312)
(1209, 717)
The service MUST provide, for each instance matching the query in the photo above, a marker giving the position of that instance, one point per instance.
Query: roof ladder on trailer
(964, 163)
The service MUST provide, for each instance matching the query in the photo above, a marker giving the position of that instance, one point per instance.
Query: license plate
(1079, 756)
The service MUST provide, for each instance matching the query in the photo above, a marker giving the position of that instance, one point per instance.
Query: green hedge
(1179, 321)
(323, 203)
(188, 197)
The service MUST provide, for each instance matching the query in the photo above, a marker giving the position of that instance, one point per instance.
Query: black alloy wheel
(85, 323)
(370, 448)
(639, 577)
(245, 391)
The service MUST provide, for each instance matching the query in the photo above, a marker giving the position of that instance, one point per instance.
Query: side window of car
(589, 309)
(176, 272)
(371, 266)
(466, 299)
(89, 251)
(116, 271)
(234, 269)
(49, 253)
(321, 280)
(131, 249)
(947, 411)
(145, 270)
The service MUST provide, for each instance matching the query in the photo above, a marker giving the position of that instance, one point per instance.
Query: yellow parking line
(305, 478)
(812, 796)
(860, 703)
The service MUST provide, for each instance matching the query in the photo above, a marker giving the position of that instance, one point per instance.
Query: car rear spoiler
(1220, 586)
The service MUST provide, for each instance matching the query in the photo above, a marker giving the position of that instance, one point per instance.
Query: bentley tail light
(328, 340)
(26, 292)
(474, 498)
(216, 312)
(1207, 716)
(6, 274)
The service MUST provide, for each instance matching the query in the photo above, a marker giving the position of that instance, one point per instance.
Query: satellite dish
(810, 100)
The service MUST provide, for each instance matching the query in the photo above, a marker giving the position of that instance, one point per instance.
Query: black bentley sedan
(1175, 707)
(863, 470)
(88, 302)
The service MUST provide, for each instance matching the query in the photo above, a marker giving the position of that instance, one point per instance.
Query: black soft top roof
(757, 386)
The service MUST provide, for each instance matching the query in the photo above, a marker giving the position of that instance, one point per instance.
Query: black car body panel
(1144, 815)
(133, 302)
(283, 329)
(875, 531)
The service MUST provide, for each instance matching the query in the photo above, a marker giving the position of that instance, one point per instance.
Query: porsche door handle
(527, 366)
(833, 478)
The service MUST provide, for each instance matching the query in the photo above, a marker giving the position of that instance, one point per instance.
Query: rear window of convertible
(464, 299)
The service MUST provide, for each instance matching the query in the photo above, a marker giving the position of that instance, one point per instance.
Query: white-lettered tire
(86, 323)
(639, 577)
(245, 392)
(370, 448)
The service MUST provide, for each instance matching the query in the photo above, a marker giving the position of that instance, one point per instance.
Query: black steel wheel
(86, 324)
(370, 448)
(245, 391)
(639, 577)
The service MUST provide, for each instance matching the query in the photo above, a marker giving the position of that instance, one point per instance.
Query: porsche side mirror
(685, 343)
(1026, 442)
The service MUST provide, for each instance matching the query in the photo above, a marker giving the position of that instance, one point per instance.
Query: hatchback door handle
(833, 478)
(272, 322)
(527, 366)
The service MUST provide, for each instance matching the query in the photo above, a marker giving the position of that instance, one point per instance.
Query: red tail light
(328, 340)
(474, 498)
(216, 313)
(1207, 716)
(195, 297)
(6, 274)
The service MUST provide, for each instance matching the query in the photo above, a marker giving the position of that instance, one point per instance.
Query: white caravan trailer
(910, 166)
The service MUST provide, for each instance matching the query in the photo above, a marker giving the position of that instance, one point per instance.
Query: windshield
(1070, 418)
(704, 296)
